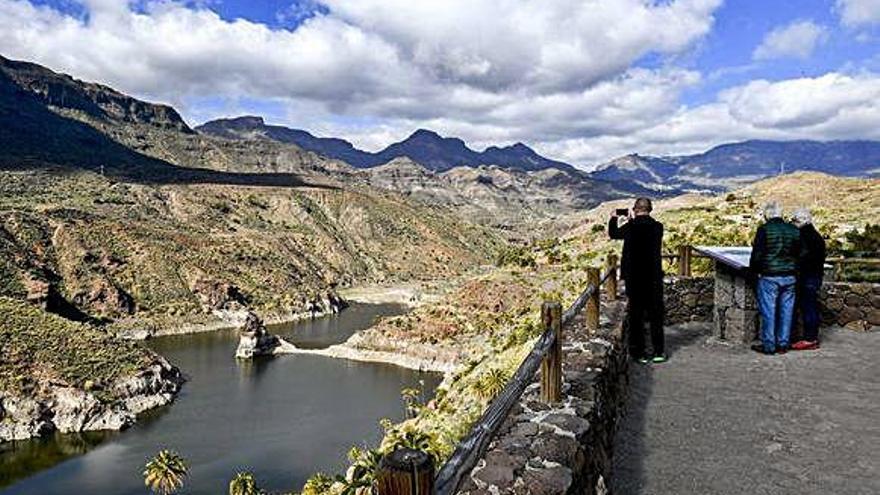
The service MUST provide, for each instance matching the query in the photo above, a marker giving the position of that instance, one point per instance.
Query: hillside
(490, 323)
(112, 208)
(57, 375)
(520, 202)
(736, 164)
(153, 252)
(731, 218)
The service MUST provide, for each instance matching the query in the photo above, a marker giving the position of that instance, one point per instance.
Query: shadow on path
(720, 419)
(630, 448)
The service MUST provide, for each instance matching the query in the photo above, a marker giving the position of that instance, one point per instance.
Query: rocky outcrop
(68, 409)
(255, 340)
(218, 295)
(64, 92)
(105, 298)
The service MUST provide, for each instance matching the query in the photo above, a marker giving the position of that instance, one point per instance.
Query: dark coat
(813, 253)
(641, 264)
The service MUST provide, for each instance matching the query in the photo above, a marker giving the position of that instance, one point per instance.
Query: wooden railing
(839, 263)
(411, 472)
(408, 472)
(685, 254)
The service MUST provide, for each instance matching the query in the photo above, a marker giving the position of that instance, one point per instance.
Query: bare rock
(106, 298)
(548, 481)
(218, 295)
(70, 409)
(23, 417)
(255, 340)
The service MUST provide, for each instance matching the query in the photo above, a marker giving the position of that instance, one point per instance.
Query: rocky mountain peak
(243, 121)
(63, 92)
(424, 134)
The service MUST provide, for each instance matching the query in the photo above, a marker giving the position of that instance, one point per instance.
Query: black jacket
(812, 261)
(640, 263)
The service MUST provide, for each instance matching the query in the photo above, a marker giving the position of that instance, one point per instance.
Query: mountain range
(52, 117)
(729, 165)
(721, 167)
(426, 147)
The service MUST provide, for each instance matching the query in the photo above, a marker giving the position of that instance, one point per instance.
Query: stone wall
(850, 305)
(688, 299)
(563, 448)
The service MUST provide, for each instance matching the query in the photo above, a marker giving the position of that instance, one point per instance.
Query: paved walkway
(724, 420)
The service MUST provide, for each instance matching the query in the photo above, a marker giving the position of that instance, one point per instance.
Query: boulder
(255, 340)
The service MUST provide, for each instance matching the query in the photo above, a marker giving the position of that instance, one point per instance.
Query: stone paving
(718, 419)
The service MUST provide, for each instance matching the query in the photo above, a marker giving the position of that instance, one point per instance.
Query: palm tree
(164, 473)
(491, 383)
(243, 484)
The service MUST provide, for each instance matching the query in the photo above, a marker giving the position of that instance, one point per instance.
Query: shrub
(519, 256)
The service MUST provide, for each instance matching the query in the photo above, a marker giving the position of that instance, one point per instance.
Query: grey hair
(802, 216)
(772, 209)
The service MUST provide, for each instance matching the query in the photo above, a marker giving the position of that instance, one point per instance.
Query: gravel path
(717, 419)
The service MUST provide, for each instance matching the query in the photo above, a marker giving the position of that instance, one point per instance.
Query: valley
(120, 222)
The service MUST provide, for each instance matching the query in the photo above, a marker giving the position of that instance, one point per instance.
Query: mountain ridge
(436, 152)
(729, 165)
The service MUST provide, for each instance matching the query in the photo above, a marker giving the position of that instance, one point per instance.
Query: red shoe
(805, 345)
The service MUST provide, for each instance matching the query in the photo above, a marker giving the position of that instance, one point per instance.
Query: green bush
(519, 256)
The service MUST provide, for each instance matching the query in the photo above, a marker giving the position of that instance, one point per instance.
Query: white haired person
(810, 271)
(775, 255)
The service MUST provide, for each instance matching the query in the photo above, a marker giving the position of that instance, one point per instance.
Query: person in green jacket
(774, 260)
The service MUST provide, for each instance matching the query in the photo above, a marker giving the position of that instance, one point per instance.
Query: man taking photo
(642, 272)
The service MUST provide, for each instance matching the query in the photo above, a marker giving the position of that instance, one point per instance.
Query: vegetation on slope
(489, 324)
(116, 249)
(39, 347)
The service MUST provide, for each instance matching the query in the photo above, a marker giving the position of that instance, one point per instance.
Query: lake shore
(401, 359)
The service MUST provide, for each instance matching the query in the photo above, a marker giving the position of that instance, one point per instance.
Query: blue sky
(581, 81)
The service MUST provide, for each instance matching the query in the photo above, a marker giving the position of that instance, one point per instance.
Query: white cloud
(559, 74)
(831, 106)
(487, 69)
(858, 12)
(798, 40)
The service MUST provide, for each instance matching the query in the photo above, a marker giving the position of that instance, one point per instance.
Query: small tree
(164, 474)
(243, 484)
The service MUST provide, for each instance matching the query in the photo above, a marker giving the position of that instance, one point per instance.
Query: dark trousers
(808, 303)
(645, 303)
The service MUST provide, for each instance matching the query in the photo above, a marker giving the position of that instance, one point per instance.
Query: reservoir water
(282, 418)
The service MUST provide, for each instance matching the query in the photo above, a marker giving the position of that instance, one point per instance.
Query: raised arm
(614, 230)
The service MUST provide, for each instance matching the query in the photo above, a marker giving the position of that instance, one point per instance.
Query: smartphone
(622, 212)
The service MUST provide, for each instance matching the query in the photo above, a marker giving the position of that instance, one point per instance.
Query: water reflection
(20, 459)
(284, 418)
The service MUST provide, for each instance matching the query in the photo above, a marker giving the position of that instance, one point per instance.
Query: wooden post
(551, 366)
(611, 281)
(591, 310)
(684, 261)
(406, 472)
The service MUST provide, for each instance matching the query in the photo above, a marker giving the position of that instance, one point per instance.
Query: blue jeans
(776, 303)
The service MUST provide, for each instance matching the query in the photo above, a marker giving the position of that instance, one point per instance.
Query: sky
(582, 81)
